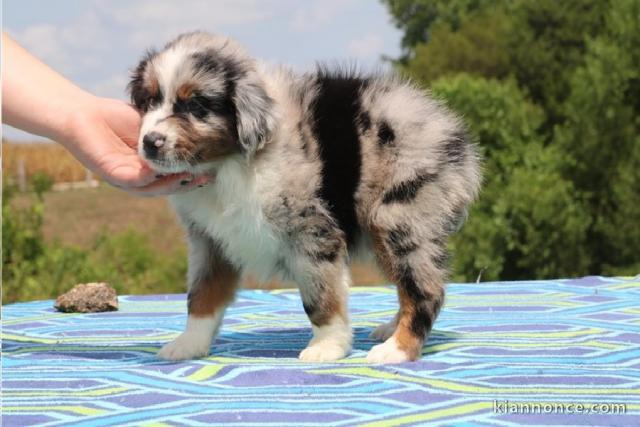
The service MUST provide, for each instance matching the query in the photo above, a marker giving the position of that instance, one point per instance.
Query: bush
(41, 182)
(35, 269)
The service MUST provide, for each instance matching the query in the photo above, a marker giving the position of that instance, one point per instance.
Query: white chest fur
(230, 210)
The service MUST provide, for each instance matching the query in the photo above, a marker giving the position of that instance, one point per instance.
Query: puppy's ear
(254, 113)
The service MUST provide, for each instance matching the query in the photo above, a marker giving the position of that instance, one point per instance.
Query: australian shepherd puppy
(309, 170)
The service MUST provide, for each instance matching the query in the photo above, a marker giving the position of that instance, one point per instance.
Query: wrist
(70, 115)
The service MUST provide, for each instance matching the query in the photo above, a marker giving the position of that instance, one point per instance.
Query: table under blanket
(501, 353)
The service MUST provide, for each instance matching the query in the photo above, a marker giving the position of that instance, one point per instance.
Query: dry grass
(50, 158)
(77, 217)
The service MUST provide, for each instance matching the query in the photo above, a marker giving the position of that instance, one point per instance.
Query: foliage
(35, 269)
(41, 182)
(548, 43)
(415, 17)
(22, 238)
(601, 130)
(526, 216)
(478, 47)
(551, 90)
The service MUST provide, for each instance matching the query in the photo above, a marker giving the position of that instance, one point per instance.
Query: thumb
(132, 174)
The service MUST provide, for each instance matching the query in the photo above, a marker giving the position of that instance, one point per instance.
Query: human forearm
(29, 85)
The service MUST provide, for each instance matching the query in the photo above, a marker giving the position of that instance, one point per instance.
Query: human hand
(103, 134)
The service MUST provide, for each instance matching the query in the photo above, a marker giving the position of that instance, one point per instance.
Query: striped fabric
(506, 353)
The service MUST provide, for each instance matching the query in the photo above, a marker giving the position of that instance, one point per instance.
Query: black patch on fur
(308, 211)
(309, 309)
(325, 256)
(208, 62)
(422, 319)
(314, 313)
(145, 102)
(455, 148)
(365, 121)
(399, 240)
(285, 202)
(438, 240)
(408, 283)
(335, 110)
(220, 104)
(281, 265)
(386, 135)
(211, 62)
(407, 191)
(321, 232)
(201, 106)
(422, 322)
(327, 243)
(306, 147)
(441, 260)
(312, 303)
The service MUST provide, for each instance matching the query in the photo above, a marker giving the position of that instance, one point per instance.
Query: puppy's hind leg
(212, 285)
(417, 269)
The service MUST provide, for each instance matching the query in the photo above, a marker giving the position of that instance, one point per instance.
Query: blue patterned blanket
(563, 352)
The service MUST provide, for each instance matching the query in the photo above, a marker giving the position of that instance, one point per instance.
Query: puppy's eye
(198, 105)
(155, 100)
(148, 101)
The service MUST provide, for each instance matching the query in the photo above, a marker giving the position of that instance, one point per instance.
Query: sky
(95, 43)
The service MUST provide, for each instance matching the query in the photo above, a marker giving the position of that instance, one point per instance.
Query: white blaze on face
(167, 69)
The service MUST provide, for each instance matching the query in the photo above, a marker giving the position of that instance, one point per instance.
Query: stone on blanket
(88, 298)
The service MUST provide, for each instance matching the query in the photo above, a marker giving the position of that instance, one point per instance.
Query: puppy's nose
(152, 143)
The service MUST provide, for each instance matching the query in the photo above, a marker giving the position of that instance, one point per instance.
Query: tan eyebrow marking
(154, 86)
(185, 91)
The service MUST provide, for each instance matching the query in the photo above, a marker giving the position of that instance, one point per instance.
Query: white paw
(387, 352)
(384, 331)
(325, 351)
(186, 346)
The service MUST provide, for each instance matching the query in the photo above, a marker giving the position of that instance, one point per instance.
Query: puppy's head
(201, 100)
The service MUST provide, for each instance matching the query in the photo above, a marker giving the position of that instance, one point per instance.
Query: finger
(144, 177)
(127, 171)
(171, 184)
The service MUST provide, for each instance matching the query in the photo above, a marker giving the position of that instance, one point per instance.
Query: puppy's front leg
(324, 298)
(212, 285)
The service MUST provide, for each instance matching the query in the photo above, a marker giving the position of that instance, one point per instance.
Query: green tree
(478, 47)
(601, 130)
(547, 43)
(415, 17)
(559, 126)
(526, 223)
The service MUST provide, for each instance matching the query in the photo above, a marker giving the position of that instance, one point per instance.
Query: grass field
(78, 216)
